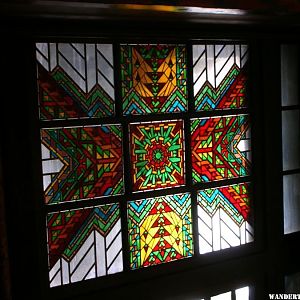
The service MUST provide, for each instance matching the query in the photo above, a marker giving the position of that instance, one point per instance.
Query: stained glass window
(153, 78)
(224, 217)
(142, 152)
(220, 76)
(157, 154)
(84, 243)
(220, 148)
(75, 80)
(82, 162)
(160, 230)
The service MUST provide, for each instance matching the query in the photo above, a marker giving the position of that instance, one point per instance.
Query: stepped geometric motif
(219, 76)
(220, 148)
(153, 79)
(75, 80)
(84, 243)
(160, 230)
(82, 162)
(157, 155)
(224, 217)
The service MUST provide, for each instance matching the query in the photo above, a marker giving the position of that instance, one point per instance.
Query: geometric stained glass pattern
(82, 162)
(153, 79)
(160, 230)
(220, 148)
(219, 76)
(75, 80)
(84, 243)
(224, 217)
(157, 155)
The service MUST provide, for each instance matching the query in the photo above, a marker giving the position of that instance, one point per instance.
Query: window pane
(82, 162)
(289, 75)
(221, 148)
(157, 155)
(160, 230)
(75, 80)
(291, 202)
(84, 243)
(242, 293)
(153, 79)
(292, 283)
(224, 217)
(224, 296)
(219, 76)
(290, 139)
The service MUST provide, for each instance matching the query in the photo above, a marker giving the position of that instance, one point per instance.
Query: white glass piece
(53, 56)
(114, 231)
(83, 267)
(229, 231)
(198, 51)
(117, 265)
(52, 166)
(65, 271)
(45, 152)
(91, 274)
(211, 65)
(91, 66)
(42, 54)
(100, 254)
(216, 231)
(249, 233)
(107, 51)
(79, 48)
(244, 55)
(222, 54)
(114, 249)
(46, 181)
(84, 249)
(237, 56)
(244, 145)
(73, 64)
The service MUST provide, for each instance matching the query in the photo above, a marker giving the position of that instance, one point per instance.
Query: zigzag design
(159, 230)
(229, 94)
(68, 230)
(92, 162)
(233, 199)
(219, 73)
(215, 148)
(61, 98)
(178, 202)
(153, 78)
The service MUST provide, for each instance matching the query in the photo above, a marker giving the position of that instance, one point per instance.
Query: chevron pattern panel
(82, 162)
(84, 244)
(153, 79)
(75, 80)
(160, 230)
(220, 148)
(219, 76)
(224, 217)
(157, 155)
